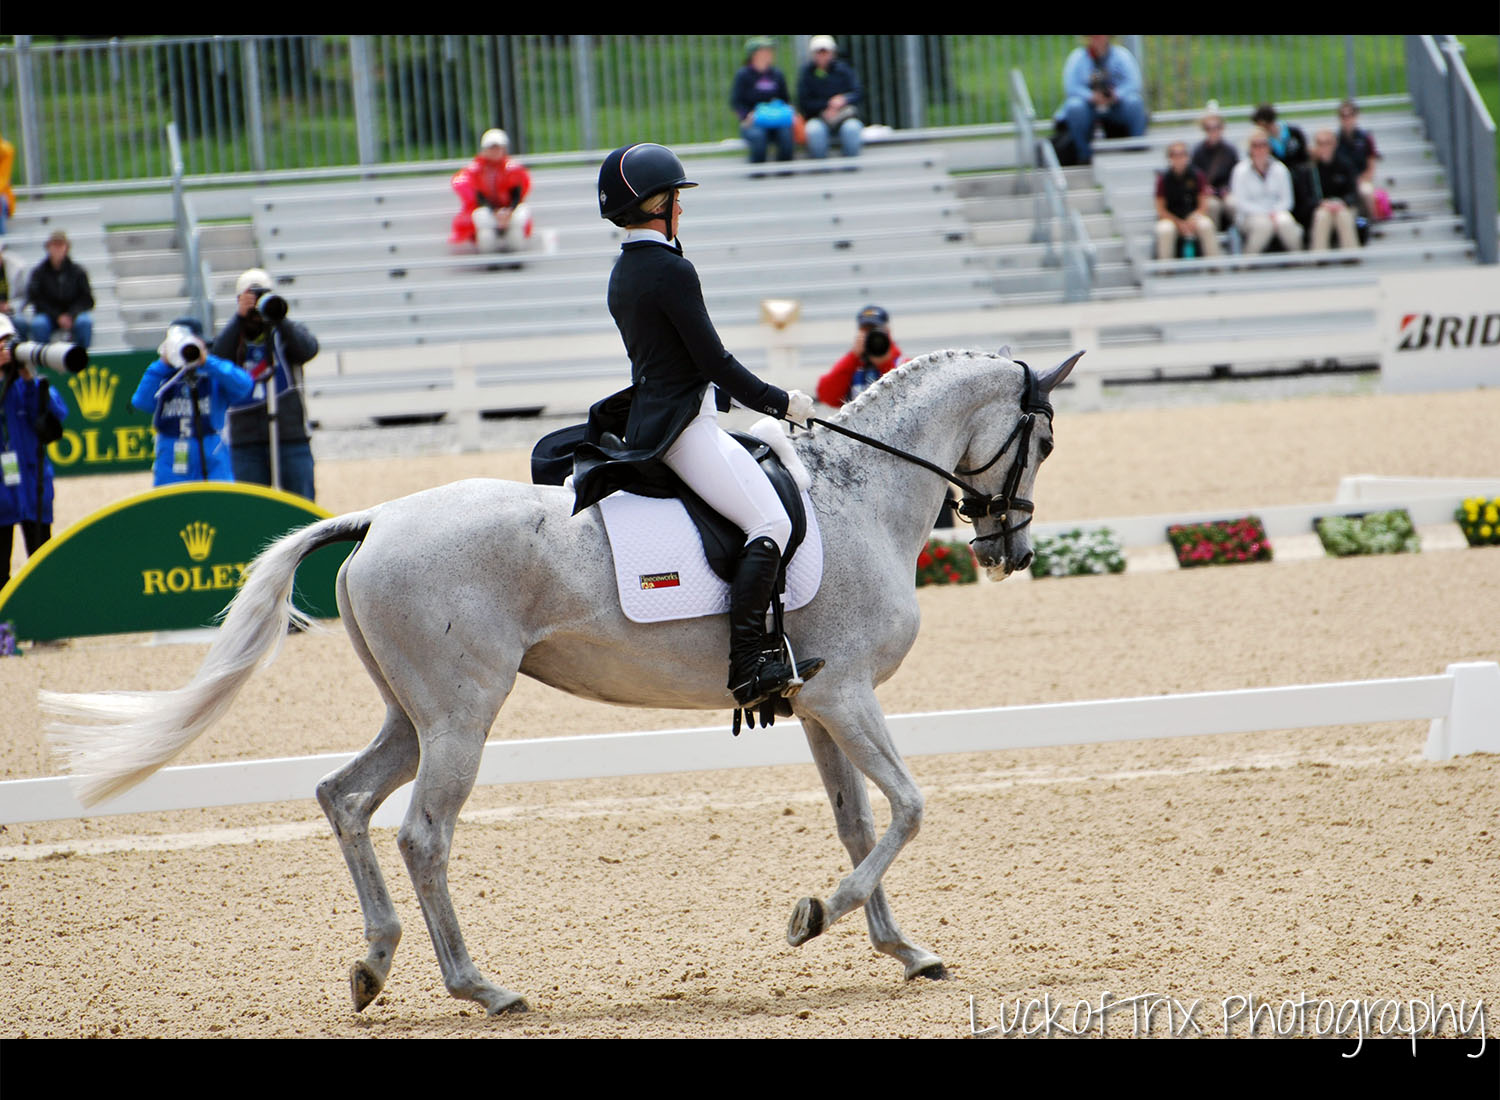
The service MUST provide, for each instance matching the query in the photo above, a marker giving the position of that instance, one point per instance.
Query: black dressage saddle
(552, 460)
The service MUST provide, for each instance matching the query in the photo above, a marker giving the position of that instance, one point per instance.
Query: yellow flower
(1486, 530)
(1492, 514)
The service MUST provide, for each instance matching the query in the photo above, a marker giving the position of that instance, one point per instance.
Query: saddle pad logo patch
(659, 580)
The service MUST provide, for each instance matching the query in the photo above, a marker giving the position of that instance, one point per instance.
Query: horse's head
(1001, 462)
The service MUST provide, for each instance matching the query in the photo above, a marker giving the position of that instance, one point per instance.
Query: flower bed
(1076, 553)
(1225, 542)
(942, 562)
(1375, 533)
(1480, 521)
(8, 647)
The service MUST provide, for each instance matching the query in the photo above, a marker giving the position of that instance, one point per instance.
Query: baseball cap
(494, 137)
(254, 279)
(872, 315)
(822, 42)
(57, 235)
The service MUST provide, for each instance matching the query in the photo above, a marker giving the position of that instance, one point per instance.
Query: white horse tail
(143, 730)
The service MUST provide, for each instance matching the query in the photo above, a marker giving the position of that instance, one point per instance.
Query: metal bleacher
(369, 263)
(1423, 230)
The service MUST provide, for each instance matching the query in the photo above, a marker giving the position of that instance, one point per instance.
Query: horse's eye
(1046, 447)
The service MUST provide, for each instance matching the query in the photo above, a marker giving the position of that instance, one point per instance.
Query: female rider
(682, 377)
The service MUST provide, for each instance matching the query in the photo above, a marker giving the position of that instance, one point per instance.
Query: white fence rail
(1463, 704)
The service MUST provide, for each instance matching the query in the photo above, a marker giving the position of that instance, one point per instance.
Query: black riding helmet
(635, 172)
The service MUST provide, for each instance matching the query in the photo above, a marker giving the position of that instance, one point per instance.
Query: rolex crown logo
(95, 390)
(199, 540)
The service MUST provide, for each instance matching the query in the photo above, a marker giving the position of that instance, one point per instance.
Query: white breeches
(722, 472)
(489, 237)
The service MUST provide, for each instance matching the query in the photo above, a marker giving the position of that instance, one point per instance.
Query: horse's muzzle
(989, 551)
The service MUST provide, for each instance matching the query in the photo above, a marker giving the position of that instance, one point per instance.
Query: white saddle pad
(662, 572)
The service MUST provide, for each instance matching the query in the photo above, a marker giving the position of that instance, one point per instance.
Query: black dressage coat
(675, 354)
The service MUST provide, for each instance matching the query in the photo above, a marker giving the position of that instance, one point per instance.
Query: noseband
(976, 504)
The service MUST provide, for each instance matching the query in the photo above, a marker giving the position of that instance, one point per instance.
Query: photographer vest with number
(188, 393)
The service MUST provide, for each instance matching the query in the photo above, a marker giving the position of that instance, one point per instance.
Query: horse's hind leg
(349, 797)
(451, 752)
(856, 826)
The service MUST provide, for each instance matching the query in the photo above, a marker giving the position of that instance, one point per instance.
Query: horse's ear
(1051, 378)
(1005, 352)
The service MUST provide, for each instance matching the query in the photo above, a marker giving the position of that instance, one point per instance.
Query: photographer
(31, 416)
(273, 349)
(188, 392)
(873, 354)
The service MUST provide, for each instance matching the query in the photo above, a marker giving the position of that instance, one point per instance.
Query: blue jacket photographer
(31, 416)
(188, 393)
(260, 338)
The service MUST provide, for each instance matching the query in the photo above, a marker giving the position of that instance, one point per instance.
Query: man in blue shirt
(1101, 81)
(188, 393)
(31, 415)
(829, 97)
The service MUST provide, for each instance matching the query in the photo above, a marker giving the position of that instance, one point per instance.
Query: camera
(182, 348)
(271, 306)
(58, 357)
(877, 344)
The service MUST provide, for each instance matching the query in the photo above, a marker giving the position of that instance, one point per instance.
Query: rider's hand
(799, 406)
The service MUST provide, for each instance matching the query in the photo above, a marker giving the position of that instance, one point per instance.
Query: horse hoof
(806, 922)
(364, 984)
(510, 1002)
(933, 971)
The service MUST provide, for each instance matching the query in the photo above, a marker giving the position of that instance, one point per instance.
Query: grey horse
(454, 590)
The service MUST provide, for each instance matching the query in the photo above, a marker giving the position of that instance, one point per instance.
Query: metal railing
(88, 112)
(1054, 221)
(1461, 130)
(189, 238)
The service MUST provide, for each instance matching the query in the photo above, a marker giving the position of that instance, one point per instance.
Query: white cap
(494, 137)
(254, 278)
(822, 42)
(7, 327)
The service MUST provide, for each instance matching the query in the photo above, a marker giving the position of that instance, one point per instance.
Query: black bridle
(976, 504)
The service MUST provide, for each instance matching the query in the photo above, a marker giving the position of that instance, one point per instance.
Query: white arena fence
(1463, 704)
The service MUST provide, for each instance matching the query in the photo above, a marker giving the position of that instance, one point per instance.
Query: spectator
(7, 194)
(1262, 189)
(1288, 143)
(493, 217)
(1216, 158)
(1326, 196)
(58, 293)
(1182, 208)
(1101, 83)
(873, 354)
(829, 96)
(1356, 148)
(762, 102)
(269, 347)
(188, 392)
(31, 416)
(12, 288)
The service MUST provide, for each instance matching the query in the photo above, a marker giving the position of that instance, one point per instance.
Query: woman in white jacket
(1262, 189)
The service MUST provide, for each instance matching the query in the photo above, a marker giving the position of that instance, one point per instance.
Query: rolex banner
(103, 432)
(169, 559)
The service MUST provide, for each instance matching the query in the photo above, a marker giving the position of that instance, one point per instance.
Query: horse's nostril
(1025, 560)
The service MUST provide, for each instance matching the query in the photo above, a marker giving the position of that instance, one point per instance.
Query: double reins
(976, 504)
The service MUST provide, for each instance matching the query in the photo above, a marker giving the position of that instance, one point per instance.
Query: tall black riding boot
(757, 667)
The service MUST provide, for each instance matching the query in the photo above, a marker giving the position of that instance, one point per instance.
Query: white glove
(799, 406)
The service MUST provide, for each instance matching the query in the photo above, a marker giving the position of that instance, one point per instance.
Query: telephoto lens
(272, 306)
(877, 344)
(192, 353)
(58, 357)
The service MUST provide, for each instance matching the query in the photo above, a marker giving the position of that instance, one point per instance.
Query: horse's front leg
(856, 826)
(853, 719)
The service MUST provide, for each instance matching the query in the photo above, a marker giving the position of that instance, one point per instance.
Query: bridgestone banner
(103, 432)
(170, 559)
(1439, 330)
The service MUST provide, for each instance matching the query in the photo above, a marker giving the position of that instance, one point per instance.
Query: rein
(976, 504)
